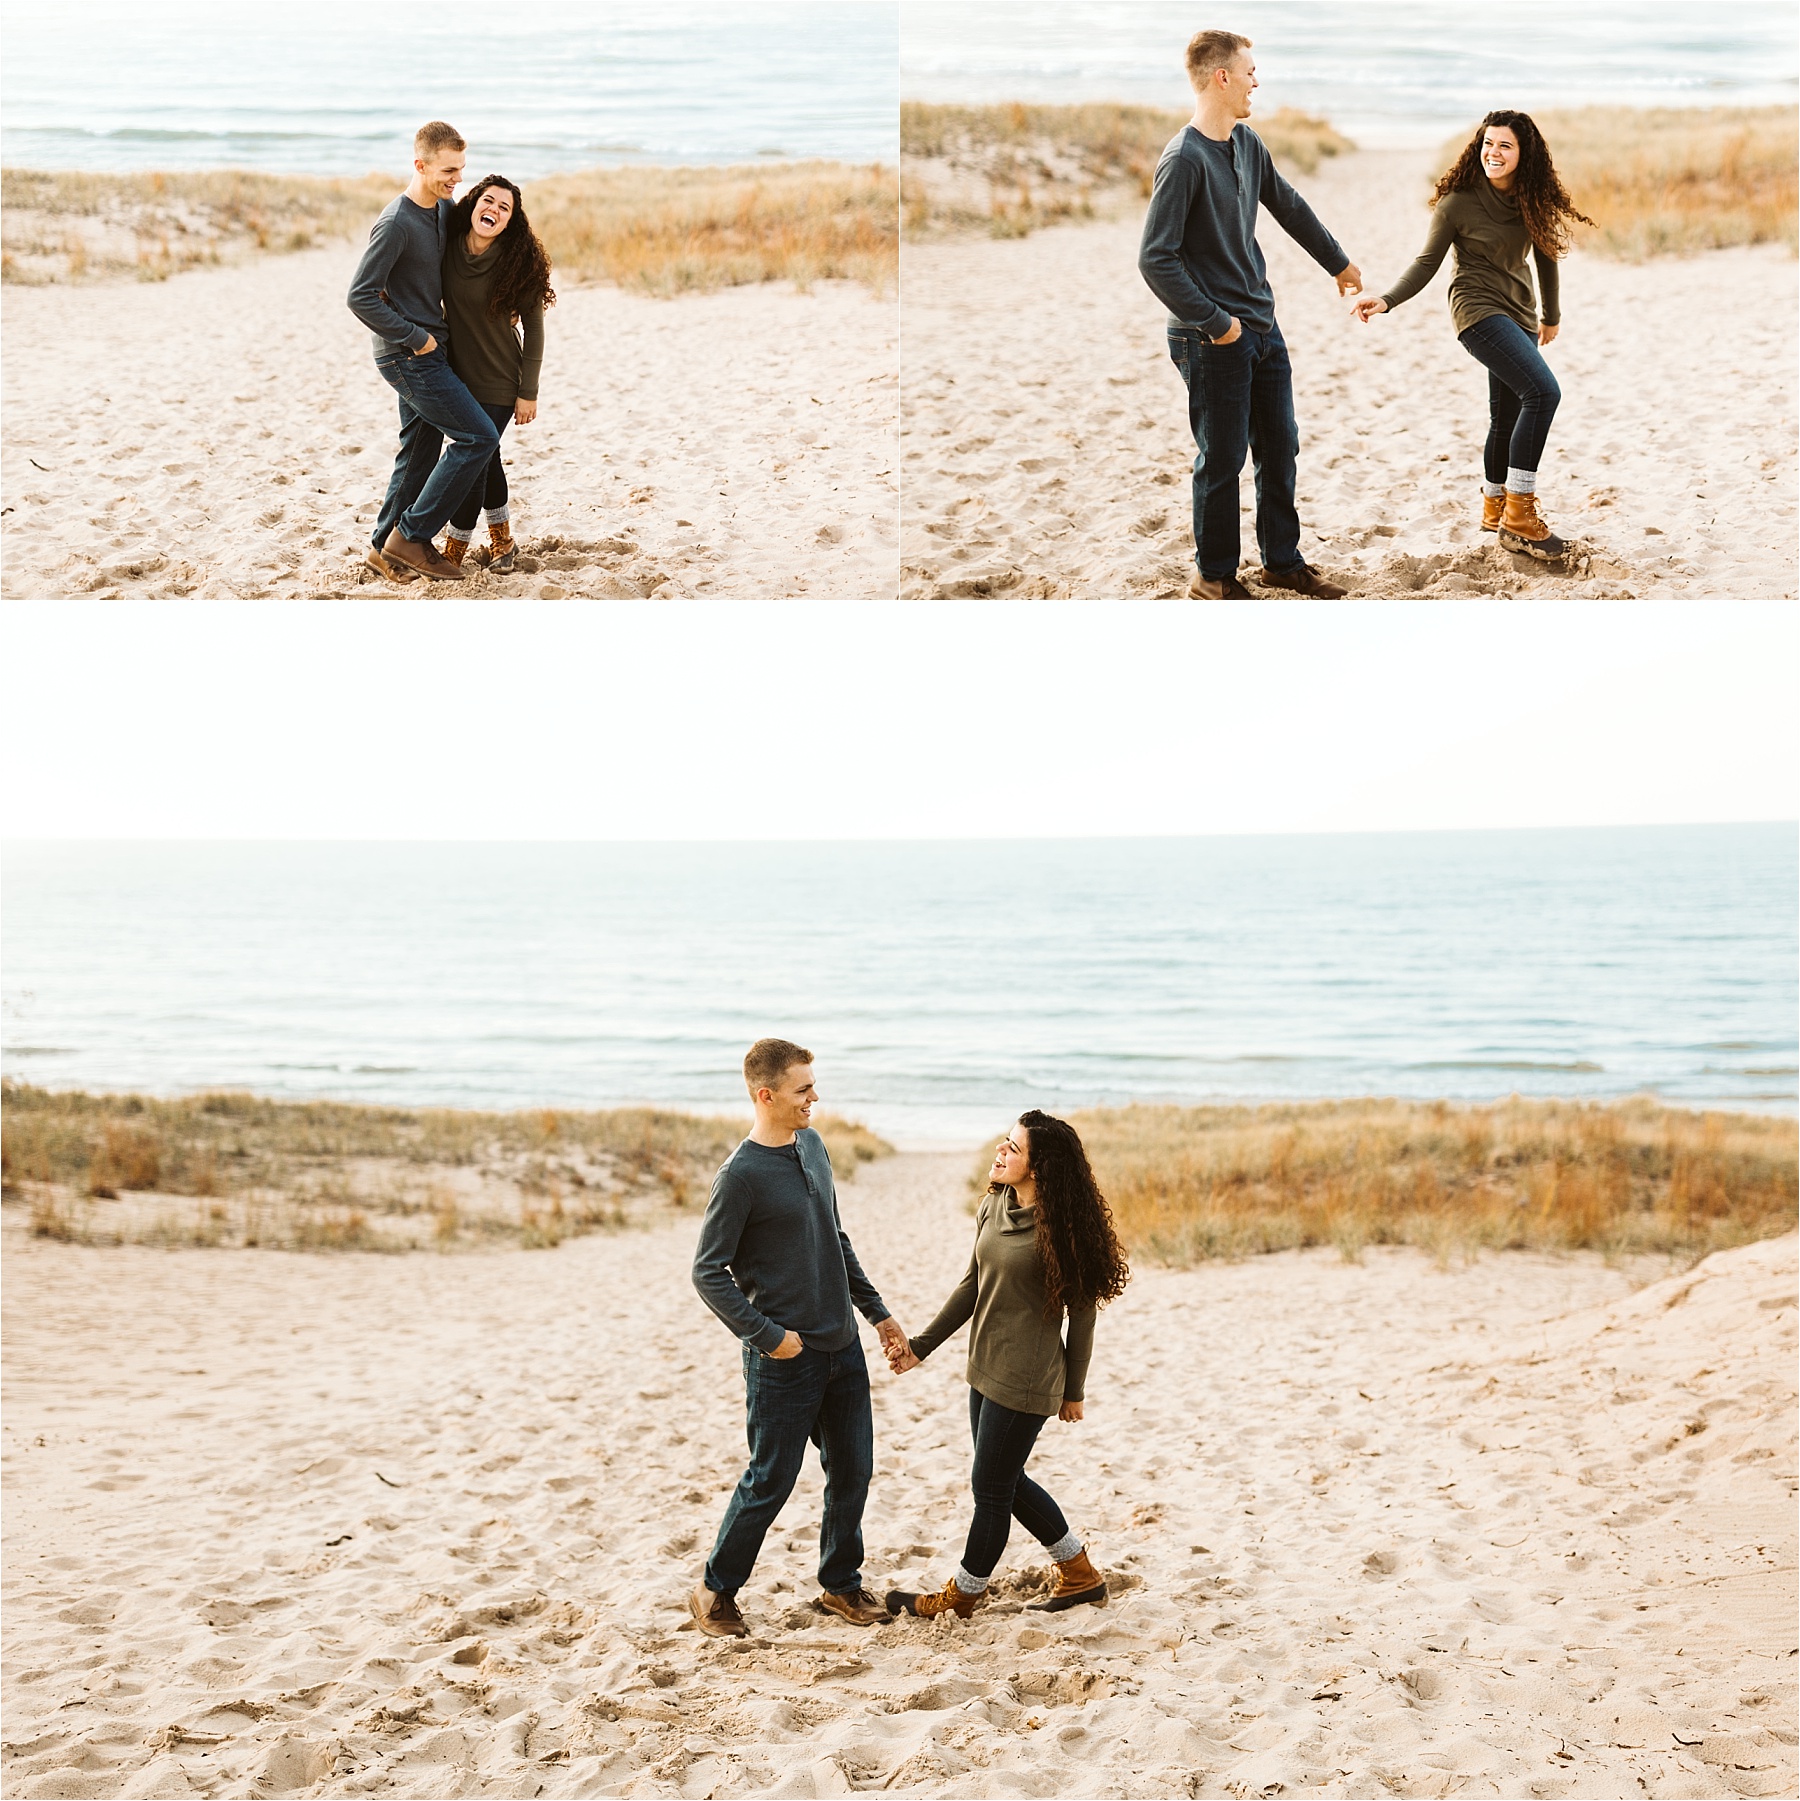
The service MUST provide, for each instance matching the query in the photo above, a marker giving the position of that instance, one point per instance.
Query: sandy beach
(1046, 451)
(422, 1525)
(223, 434)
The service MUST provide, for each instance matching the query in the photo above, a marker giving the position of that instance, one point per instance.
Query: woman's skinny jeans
(1003, 1492)
(1522, 394)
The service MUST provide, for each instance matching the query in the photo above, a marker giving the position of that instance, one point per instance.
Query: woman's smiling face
(493, 213)
(1499, 153)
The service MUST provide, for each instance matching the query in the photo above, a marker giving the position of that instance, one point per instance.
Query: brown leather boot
(455, 549)
(1227, 587)
(716, 1615)
(948, 1599)
(422, 559)
(1491, 505)
(397, 573)
(1078, 1584)
(860, 1609)
(502, 551)
(1522, 530)
(1301, 579)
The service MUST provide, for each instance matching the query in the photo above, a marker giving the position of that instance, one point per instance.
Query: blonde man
(398, 293)
(1200, 258)
(775, 1264)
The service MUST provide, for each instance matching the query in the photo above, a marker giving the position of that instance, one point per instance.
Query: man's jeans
(434, 405)
(1522, 394)
(1240, 399)
(820, 1397)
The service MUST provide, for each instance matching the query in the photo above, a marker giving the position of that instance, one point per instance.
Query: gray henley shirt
(398, 288)
(1199, 253)
(773, 1255)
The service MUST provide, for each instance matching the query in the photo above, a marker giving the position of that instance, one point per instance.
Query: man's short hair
(429, 139)
(769, 1059)
(1209, 50)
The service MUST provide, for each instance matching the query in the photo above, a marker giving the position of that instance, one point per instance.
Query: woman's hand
(1547, 334)
(524, 411)
(1367, 307)
(1070, 1410)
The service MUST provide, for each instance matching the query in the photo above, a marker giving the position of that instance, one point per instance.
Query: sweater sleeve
(1159, 253)
(1549, 286)
(386, 242)
(1427, 263)
(720, 1232)
(1077, 1353)
(533, 326)
(1283, 202)
(956, 1311)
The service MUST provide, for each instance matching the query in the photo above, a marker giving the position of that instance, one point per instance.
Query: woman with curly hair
(1044, 1249)
(1499, 200)
(496, 286)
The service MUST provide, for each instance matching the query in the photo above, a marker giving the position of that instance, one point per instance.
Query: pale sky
(484, 721)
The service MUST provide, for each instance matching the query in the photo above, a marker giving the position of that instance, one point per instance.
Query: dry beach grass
(1629, 1178)
(1008, 169)
(234, 1169)
(653, 230)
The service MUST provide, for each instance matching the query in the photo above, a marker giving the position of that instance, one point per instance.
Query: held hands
(524, 411)
(1349, 280)
(1366, 308)
(894, 1346)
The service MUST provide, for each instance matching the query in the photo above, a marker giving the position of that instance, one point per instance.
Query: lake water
(1386, 73)
(942, 986)
(331, 88)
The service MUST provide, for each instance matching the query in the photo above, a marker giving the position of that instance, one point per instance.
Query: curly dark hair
(1084, 1264)
(522, 277)
(1544, 202)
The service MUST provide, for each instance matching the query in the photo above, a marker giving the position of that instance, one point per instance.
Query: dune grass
(1009, 168)
(1190, 1183)
(1678, 180)
(657, 231)
(228, 1168)
(672, 231)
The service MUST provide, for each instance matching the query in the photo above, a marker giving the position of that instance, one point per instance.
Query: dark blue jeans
(489, 487)
(818, 1397)
(1240, 401)
(434, 406)
(1522, 394)
(1003, 1492)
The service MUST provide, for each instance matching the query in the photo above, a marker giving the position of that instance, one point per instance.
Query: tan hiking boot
(716, 1615)
(1523, 531)
(1301, 579)
(502, 551)
(948, 1599)
(860, 1608)
(1078, 1584)
(1227, 587)
(397, 573)
(421, 559)
(455, 549)
(1491, 505)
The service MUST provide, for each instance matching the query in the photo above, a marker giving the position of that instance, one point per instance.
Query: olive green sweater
(486, 352)
(1491, 243)
(1016, 1356)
